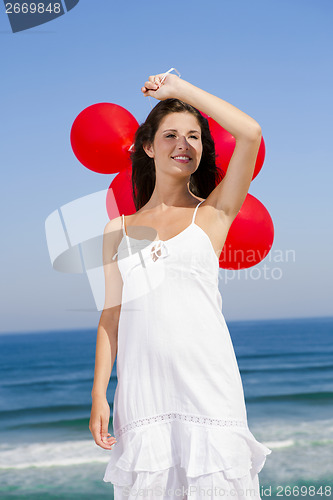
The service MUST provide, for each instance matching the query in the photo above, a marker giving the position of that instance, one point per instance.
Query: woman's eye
(173, 135)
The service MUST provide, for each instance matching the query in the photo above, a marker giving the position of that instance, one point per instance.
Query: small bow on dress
(159, 250)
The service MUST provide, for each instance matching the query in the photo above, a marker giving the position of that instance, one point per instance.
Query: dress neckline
(174, 237)
(158, 239)
(169, 239)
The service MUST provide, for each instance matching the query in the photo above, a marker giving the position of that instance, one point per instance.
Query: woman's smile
(182, 158)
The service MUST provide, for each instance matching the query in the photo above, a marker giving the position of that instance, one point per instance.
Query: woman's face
(177, 143)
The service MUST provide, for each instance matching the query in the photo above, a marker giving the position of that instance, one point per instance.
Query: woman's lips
(181, 160)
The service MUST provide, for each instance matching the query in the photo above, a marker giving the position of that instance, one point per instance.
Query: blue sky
(270, 59)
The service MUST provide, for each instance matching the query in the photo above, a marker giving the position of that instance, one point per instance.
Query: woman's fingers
(106, 437)
(148, 87)
(155, 79)
(107, 442)
(151, 85)
(161, 86)
(101, 437)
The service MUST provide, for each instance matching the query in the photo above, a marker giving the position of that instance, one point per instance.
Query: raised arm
(229, 195)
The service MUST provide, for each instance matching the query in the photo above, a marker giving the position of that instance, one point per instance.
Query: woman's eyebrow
(174, 130)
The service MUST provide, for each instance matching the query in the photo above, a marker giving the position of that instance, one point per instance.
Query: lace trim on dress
(167, 417)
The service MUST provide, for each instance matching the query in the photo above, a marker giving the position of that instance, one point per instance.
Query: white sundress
(179, 412)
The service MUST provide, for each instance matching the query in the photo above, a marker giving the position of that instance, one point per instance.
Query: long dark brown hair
(202, 181)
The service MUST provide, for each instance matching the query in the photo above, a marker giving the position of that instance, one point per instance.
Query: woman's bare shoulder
(113, 224)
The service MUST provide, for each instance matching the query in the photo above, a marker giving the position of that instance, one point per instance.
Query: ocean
(47, 451)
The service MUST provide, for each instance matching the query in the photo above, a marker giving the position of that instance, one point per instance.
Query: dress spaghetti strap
(123, 224)
(195, 211)
(124, 236)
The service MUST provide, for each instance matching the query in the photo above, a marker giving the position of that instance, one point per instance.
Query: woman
(179, 413)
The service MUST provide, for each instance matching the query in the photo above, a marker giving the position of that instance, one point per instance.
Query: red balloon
(119, 199)
(250, 236)
(225, 145)
(101, 136)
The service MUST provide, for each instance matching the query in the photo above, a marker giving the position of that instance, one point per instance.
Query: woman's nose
(182, 143)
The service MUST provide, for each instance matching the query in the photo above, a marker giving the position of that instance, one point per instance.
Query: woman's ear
(149, 150)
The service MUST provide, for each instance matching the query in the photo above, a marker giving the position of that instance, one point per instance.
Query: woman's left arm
(229, 195)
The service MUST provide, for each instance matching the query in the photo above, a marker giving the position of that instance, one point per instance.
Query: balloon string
(164, 77)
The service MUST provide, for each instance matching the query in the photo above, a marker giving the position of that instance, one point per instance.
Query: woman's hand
(99, 422)
(163, 86)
